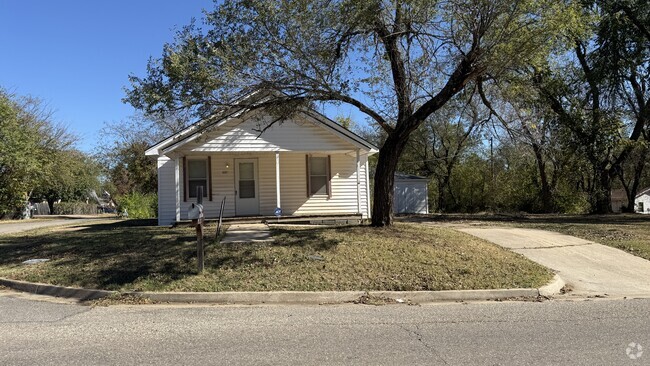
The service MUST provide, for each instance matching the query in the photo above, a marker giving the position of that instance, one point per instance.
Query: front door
(247, 201)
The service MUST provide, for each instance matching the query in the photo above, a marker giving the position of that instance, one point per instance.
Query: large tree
(20, 161)
(599, 92)
(396, 61)
(37, 156)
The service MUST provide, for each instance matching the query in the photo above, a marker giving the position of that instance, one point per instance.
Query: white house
(642, 202)
(305, 165)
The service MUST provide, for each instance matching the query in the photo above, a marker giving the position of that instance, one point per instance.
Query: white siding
(645, 199)
(166, 191)
(293, 186)
(223, 185)
(266, 173)
(291, 135)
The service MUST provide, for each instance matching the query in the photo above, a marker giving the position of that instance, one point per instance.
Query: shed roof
(403, 176)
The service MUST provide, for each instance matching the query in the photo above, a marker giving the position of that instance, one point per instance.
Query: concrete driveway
(591, 269)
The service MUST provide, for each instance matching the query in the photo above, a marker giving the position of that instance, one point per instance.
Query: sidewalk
(247, 233)
(592, 269)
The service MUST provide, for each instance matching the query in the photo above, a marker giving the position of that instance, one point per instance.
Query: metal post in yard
(199, 232)
(223, 202)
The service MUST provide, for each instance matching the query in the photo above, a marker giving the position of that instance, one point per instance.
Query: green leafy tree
(71, 175)
(37, 159)
(599, 93)
(20, 161)
(398, 62)
(122, 154)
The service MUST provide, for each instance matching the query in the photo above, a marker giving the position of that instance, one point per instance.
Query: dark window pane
(197, 183)
(246, 189)
(197, 169)
(318, 185)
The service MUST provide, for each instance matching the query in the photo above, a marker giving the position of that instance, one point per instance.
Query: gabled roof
(644, 191)
(201, 127)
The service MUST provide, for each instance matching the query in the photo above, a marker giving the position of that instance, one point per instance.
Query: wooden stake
(199, 246)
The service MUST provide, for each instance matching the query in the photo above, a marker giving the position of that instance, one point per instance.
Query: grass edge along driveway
(135, 255)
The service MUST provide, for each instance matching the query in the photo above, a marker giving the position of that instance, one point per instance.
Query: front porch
(256, 184)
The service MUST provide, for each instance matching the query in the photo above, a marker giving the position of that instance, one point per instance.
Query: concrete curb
(56, 291)
(552, 288)
(291, 297)
(332, 297)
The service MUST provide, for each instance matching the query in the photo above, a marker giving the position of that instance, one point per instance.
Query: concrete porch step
(343, 219)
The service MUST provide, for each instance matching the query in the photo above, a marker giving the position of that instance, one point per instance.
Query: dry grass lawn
(134, 255)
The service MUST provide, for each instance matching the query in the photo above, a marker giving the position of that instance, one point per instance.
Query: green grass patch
(133, 255)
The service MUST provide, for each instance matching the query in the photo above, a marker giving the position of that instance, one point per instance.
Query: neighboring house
(411, 194)
(642, 202)
(305, 165)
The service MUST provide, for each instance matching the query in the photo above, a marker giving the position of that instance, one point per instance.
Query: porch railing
(223, 203)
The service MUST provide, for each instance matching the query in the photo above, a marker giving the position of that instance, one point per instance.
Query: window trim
(208, 179)
(328, 175)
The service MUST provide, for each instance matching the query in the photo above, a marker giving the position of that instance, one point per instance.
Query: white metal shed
(411, 194)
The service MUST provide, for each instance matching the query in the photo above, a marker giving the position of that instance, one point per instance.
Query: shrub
(138, 205)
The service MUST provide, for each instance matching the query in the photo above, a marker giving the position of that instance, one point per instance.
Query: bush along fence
(138, 205)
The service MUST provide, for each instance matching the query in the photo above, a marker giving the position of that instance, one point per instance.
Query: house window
(197, 176)
(318, 172)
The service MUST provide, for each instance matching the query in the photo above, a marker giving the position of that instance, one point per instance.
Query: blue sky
(77, 55)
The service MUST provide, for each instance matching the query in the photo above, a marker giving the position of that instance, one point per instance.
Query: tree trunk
(389, 153)
(442, 204)
(602, 193)
(546, 195)
(631, 188)
(50, 202)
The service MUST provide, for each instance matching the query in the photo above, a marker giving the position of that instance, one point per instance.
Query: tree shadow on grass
(132, 253)
(106, 255)
(309, 238)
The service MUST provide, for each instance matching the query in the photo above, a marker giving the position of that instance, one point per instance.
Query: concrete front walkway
(590, 268)
(247, 233)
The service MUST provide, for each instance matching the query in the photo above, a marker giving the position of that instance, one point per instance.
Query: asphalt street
(558, 332)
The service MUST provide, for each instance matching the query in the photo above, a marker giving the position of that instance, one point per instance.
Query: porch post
(367, 190)
(177, 185)
(277, 179)
(358, 184)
